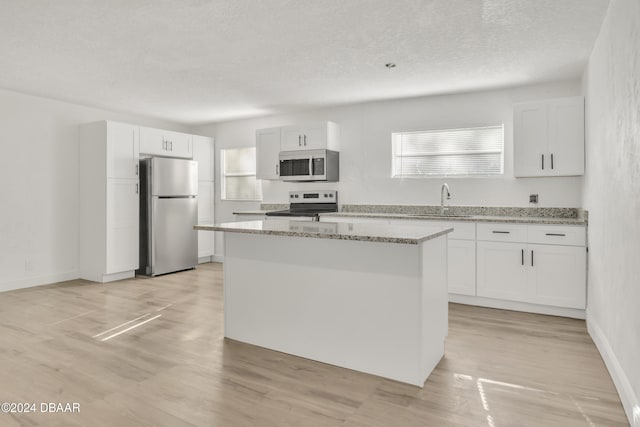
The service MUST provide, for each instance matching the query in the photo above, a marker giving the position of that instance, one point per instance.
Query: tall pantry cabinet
(109, 201)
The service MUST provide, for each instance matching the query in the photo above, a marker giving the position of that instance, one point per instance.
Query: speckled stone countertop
(469, 218)
(330, 230)
(256, 212)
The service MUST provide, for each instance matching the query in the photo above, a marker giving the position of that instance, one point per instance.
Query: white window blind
(469, 151)
(239, 174)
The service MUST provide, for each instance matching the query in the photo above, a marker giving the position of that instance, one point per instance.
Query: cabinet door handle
(137, 190)
(164, 145)
(171, 145)
(543, 162)
(305, 140)
(277, 169)
(555, 234)
(137, 169)
(299, 140)
(531, 257)
(500, 232)
(522, 256)
(551, 160)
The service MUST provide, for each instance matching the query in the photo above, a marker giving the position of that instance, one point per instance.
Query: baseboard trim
(630, 401)
(205, 259)
(517, 306)
(218, 258)
(29, 282)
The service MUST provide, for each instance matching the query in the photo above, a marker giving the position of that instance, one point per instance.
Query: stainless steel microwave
(310, 165)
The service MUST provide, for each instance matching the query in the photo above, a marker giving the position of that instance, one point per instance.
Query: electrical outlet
(533, 198)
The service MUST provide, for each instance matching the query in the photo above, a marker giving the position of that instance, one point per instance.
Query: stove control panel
(320, 196)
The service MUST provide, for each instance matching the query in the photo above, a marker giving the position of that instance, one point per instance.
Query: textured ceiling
(196, 61)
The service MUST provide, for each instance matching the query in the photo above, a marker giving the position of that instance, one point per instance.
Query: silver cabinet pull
(501, 232)
(277, 169)
(522, 256)
(164, 144)
(305, 140)
(531, 257)
(170, 145)
(555, 234)
(299, 140)
(137, 188)
(551, 160)
(137, 169)
(543, 162)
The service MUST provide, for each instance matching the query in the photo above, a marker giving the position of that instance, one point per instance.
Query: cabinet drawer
(502, 232)
(557, 235)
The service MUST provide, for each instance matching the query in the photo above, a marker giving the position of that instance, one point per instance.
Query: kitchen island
(366, 297)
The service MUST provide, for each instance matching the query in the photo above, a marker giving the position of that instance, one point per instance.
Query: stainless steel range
(307, 205)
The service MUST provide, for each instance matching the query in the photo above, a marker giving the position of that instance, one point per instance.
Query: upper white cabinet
(267, 152)
(311, 137)
(109, 201)
(166, 143)
(122, 150)
(269, 143)
(549, 138)
(203, 153)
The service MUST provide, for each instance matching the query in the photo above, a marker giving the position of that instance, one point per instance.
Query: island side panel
(348, 303)
(435, 305)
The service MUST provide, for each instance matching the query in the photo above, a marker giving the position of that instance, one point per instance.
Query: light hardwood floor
(501, 368)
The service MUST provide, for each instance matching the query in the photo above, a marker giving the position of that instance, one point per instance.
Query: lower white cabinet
(122, 225)
(551, 274)
(205, 216)
(502, 272)
(558, 275)
(462, 267)
(249, 217)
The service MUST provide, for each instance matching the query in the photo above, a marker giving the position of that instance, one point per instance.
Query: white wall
(39, 186)
(365, 154)
(612, 195)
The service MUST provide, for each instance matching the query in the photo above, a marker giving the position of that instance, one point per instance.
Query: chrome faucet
(444, 188)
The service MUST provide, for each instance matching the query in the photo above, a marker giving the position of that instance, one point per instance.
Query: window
(470, 151)
(239, 174)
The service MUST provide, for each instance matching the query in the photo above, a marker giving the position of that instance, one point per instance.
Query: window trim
(224, 175)
(501, 175)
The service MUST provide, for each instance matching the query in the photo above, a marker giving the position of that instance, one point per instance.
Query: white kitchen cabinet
(462, 266)
(109, 201)
(557, 275)
(205, 216)
(461, 253)
(123, 224)
(547, 266)
(122, 150)
(203, 153)
(267, 153)
(549, 138)
(310, 137)
(160, 142)
(238, 217)
(502, 272)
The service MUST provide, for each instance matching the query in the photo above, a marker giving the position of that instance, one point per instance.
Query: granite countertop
(330, 230)
(465, 218)
(255, 212)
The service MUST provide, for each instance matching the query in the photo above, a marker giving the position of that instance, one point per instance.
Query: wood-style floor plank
(69, 342)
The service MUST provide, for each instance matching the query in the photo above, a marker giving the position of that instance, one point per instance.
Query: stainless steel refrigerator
(168, 212)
